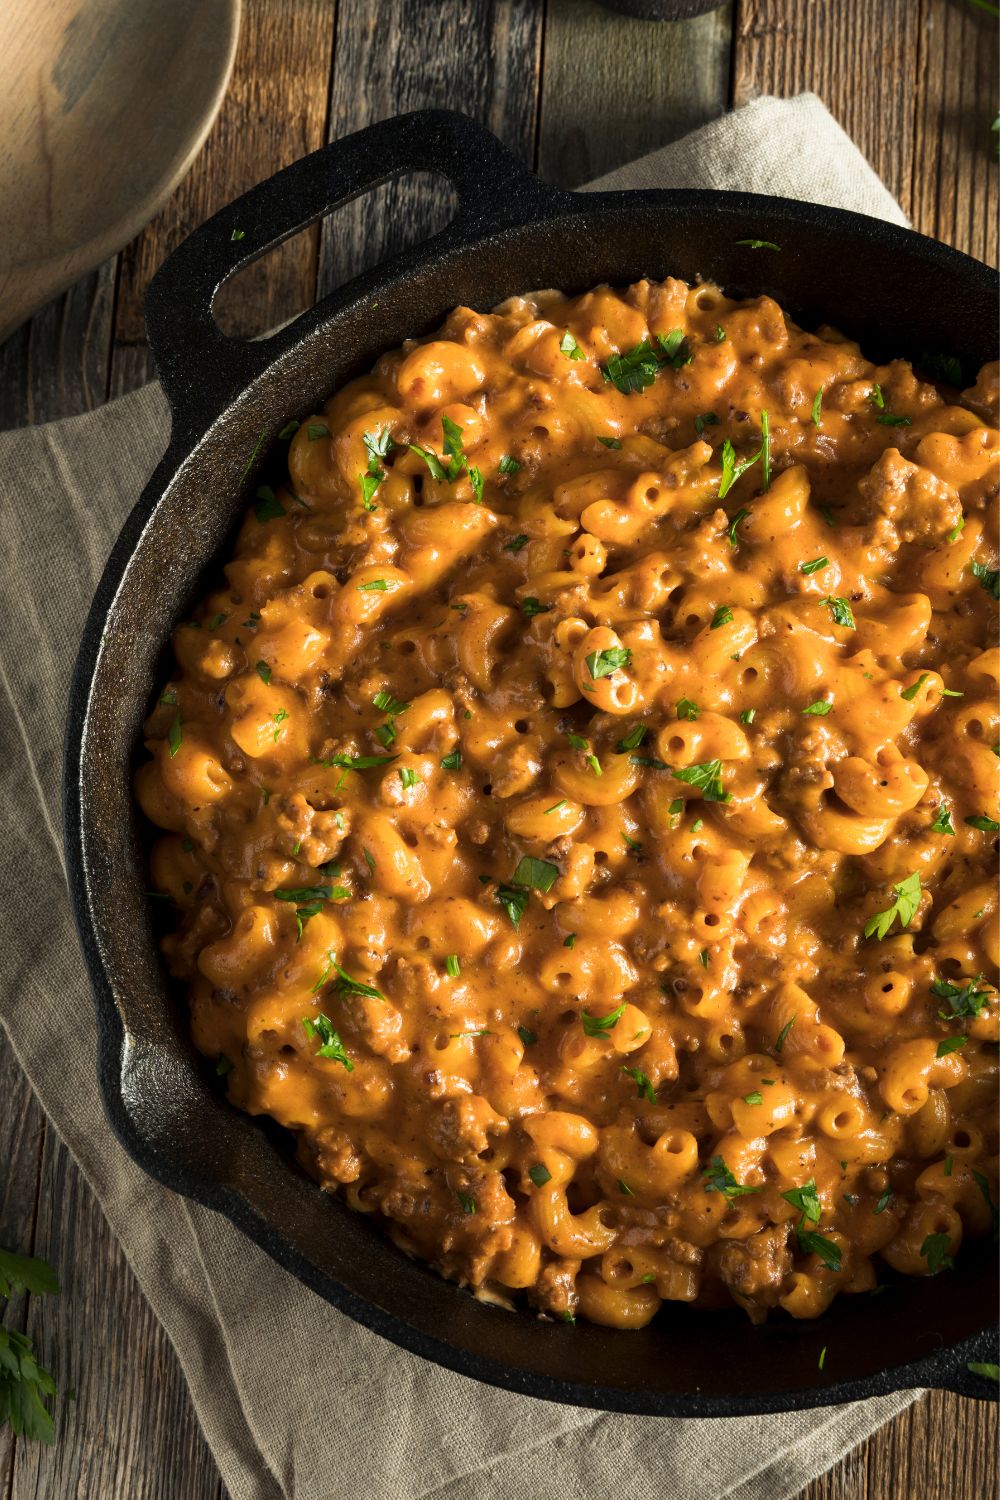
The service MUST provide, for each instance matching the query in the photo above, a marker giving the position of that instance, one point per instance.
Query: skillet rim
(193, 428)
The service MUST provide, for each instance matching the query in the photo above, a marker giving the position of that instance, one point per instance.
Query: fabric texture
(297, 1401)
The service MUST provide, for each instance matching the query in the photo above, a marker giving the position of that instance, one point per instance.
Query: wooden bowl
(103, 106)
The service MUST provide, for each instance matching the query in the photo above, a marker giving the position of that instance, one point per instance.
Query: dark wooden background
(575, 91)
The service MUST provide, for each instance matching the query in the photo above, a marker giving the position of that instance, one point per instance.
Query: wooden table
(576, 91)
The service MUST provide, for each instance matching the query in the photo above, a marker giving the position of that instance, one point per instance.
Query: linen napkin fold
(297, 1401)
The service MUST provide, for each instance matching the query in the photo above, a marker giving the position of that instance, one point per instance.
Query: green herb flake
(904, 907)
(819, 709)
(718, 1179)
(983, 823)
(517, 543)
(320, 1027)
(759, 244)
(604, 663)
(741, 515)
(528, 1037)
(806, 1200)
(817, 408)
(707, 778)
(532, 606)
(268, 506)
(783, 1036)
(935, 1251)
(949, 1045)
(610, 442)
(817, 563)
(539, 1174)
(942, 822)
(317, 430)
(644, 1087)
(989, 578)
(175, 736)
(263, 671)
(599, 1025)
(723, 616)
(569, 346)
(841, 611)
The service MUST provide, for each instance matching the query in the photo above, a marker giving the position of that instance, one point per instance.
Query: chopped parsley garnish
(508, 465)
(536, 874)
(388, 704)
(983, 823)
(817, 409)
(638, 368)
(935, 1251)
(569, 346)
(841, 611)
(720, 333)
(820, 708)
(452, 761)
(308, 893)
(828, 1251)
(942, 823)
(579, 743)
(452, 967)
(904, 907)
(686, 709)
(289, 430)
(911, 692)
(956, 530)
(747, 715)
(528, 1037)
(755, 1098)
(317, 430)
(707, 777)
(263, 671)
(374, 586)
(964, 999)
(949, 1045)
(477, 482)
(883, 1202)
(604, 663)
(806, 1200)
(434, 464)
(356, 762)
(703, 958)
(175, 736)
(598, 1025)
(517, 543)
(885, 417)
(741, 515)
(539, 1174)
(987, 1371)
(610, 442)
(570, 942)
(642, 1083)
(268, 505)
(632, 740)
(467, 1202)
(237, 235)
(731, 470)
(409, 778)
(765, 450)
(532, 606)
(321, 1027)
(723, 616)
(813, 567)
(989, 578)
(718, 1179)
(627, 1192)
(705, 419)
(783, 1035)
(514, 902)
(759, 244)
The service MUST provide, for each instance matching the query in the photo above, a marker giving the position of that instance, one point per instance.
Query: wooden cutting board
(103, 106)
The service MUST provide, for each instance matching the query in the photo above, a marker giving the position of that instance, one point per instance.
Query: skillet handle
(200, 368)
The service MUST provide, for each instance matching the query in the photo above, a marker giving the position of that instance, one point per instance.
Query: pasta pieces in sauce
(579, 800)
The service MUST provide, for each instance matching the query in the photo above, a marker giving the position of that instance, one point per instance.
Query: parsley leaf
(508, 465)
(841, 611)
(604, 663)
(723, 616)
(539, 1174)
(741, 515)
(817, 1244)
(904, 907)
(949, 1045)
(935, 1251)
(536, 874)
(532, 606)
(806, 1200)
(718, 1179)
(819, 709)
(989, 578)
(984, 824)
(942, 823)
(268, 505)
(817, 408)
(759, 244)
(963, 999)
(569, 346)
(731, 470)
(642, 1083)
(516, 543)
(813, 567)
(321, 1027)
(707, 777)
(598, 1025)
(686, 709)
(632, 740)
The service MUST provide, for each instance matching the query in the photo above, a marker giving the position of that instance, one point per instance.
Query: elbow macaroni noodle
(580, 799)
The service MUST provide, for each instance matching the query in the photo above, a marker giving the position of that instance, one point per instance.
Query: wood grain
(614, 88)
(130, 1430)
(275, 112)
(498, 43)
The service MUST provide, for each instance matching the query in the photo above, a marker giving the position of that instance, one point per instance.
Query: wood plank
(131, 1430)
(857, 56)
(22, 1130)
(275, 111)
(56, 365)
(485, 57)
(954, 184)
(616, 88)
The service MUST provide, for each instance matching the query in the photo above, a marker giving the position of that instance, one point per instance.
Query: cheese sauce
(580, 805)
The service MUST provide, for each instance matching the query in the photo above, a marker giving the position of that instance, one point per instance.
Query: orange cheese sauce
(579, 804)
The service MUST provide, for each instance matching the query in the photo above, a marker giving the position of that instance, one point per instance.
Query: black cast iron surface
(898, 293)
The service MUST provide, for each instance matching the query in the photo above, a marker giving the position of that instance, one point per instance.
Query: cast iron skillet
(895, 291)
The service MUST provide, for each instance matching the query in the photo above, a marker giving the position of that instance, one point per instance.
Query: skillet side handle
(202, 370)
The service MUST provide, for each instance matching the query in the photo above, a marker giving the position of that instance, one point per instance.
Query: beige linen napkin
(295, 1399)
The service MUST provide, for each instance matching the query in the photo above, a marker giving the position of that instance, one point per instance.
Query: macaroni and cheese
(580, 805)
